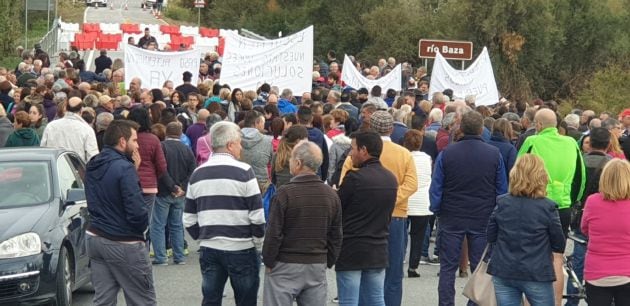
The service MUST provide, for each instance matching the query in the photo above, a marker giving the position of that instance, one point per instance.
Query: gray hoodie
(257, 152)
(341, 143)
(6, 129)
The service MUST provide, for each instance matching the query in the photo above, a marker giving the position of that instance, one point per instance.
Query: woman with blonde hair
(526, 232)
(606, 223)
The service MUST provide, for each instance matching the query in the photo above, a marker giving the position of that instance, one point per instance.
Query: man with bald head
(71, 132)
(303, 234)
(565, 166)
(197, 129)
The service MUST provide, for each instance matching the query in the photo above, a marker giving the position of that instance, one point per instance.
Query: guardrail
(49, 42)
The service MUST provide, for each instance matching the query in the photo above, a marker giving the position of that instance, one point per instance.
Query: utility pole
(26, 25)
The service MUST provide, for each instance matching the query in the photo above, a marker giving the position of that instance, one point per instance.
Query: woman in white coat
(418, 210)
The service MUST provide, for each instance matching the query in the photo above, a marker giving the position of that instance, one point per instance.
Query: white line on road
(88, 64)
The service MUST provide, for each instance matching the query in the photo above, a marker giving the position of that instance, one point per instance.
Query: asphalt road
(181, 285)
(133, 14)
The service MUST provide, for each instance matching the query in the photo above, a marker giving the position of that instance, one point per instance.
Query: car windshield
(24, 183)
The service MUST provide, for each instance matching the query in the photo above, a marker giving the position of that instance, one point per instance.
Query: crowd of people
(337, 177)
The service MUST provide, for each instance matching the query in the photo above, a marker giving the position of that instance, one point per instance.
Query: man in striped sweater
(224, 211)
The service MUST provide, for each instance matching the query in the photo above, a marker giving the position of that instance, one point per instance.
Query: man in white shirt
(71, 132)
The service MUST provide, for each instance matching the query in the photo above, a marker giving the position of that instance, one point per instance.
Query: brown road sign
(450, 49)
(200, 3)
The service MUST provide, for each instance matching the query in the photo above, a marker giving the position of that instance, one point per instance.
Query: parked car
(43, 222)
(95, 3)
(148, 4)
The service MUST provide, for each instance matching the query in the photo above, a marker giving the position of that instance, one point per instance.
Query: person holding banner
(146, 39)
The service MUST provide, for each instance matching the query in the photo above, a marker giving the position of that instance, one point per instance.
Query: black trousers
(565, 220)
(604, 296)
(416, 235)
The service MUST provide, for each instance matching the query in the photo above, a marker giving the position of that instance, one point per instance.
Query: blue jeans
(394, 272)
(451, 237)
(510, 292)
(427, 238)
(168, 211)
(577, 261)
(361, 287)
(242, 267)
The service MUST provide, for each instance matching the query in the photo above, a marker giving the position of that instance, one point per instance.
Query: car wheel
(64, 279)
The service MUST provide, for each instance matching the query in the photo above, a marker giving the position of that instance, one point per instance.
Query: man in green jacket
(567, 176)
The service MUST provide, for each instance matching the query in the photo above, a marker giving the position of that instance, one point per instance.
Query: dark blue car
(43, 221)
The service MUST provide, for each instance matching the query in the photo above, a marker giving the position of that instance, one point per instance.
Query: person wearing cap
(102, 62)
(72, 132)
(187, 87)
(468, 176)
(146, 39)
(169, 204)
(105, 105)
(399, 161)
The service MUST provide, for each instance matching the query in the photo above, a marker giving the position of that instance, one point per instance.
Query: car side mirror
(74, 195)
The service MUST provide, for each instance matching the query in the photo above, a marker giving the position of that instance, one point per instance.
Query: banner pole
(198, 17)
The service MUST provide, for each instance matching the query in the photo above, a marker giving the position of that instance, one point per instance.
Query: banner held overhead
(285, 62)
(353, 78)
(477, 80)
(154, 67)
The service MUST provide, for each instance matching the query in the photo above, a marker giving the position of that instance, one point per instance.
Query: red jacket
(442, 139)
(153, 163)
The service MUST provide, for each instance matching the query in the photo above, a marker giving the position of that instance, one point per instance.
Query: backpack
(591, 187)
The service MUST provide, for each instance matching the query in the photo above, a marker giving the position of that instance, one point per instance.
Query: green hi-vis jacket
(563, 163)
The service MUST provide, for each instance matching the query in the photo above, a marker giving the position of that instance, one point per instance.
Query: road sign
(40, 5)
(200, 3)
(450, 49)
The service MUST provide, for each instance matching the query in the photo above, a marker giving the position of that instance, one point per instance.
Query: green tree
(607, 91)
(11, 13)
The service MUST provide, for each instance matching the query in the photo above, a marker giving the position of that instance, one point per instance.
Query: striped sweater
(223, 205)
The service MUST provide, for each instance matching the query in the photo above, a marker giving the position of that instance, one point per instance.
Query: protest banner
(353, 78)
(477, 80)
(285, 62)
(155, 67)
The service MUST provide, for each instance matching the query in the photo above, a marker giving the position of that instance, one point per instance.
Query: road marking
(88, 64)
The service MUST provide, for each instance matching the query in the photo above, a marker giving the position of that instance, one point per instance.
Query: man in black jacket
(102, 62)
(119, 220)
(169, 204)
(368, 196)
(146, 39)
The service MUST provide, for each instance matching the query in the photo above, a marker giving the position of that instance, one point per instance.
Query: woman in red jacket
(153, 163)
(606, 222)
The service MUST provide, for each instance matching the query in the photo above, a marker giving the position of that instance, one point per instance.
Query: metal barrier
(49, 42)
